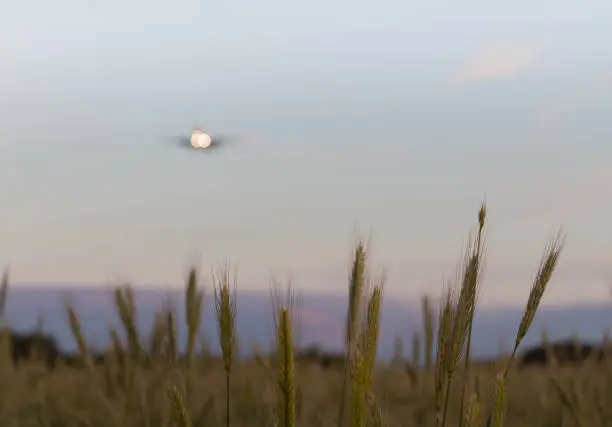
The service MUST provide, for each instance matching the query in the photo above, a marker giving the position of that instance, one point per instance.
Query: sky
(392, 120)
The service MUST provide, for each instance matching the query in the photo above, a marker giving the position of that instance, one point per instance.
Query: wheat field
(144, 380)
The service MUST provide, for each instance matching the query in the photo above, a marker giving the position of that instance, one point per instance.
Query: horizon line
(67, 286)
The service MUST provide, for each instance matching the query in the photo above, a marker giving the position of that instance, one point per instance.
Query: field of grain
(146, 380)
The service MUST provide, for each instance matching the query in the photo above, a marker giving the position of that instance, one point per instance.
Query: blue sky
(395, 120)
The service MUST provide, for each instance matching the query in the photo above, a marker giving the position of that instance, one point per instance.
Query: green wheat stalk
(428, 331)
(193, 313)
(357, 279)
(77, 333)
(5, 333)
(126, 309)
(225, 309)
(180, 415)
(286, 370)
(548, 263)
(471, 280)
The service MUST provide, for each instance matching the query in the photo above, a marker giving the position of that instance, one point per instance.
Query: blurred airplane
(201, 140)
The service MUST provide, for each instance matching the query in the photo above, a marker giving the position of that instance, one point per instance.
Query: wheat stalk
(225, 310)
(428, 330)
(179, 412)
(126, 308)
(193, 313)
(546, 268)
(471, 280)
(357, 280)
(286, 373)
(77, 332)
(5, 333)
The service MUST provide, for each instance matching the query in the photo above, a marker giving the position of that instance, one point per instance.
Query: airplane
(201, 140)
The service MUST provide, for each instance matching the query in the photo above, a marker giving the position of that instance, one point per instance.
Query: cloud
(496, 61)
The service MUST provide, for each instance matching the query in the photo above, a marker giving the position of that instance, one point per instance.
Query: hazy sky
(395, 118)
